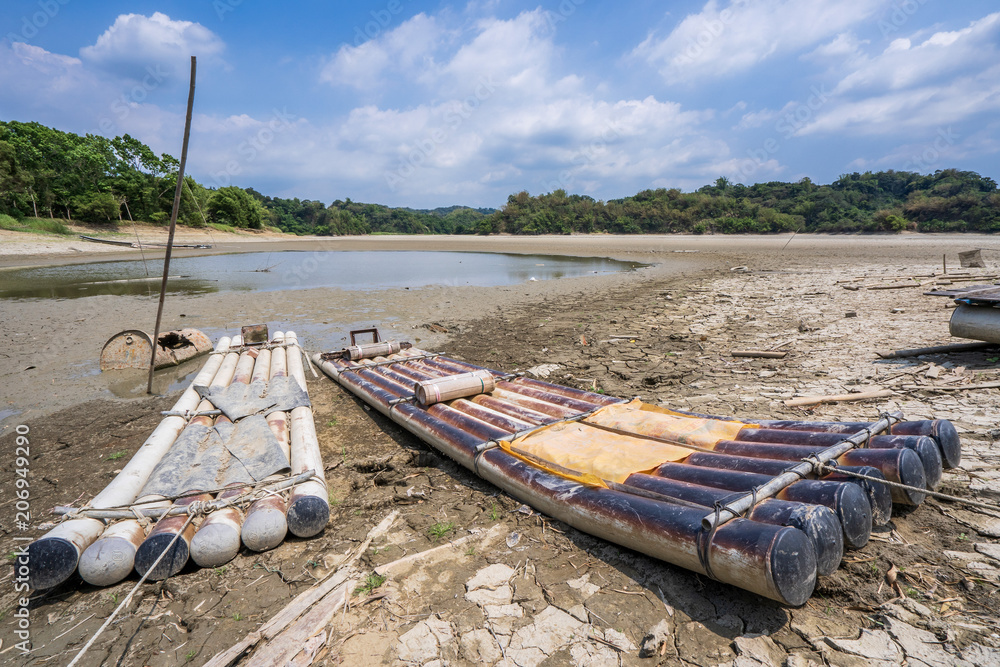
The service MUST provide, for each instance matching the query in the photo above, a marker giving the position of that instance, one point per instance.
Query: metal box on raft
(133, 349)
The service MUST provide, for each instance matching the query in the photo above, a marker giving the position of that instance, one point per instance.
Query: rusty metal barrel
(133, 349)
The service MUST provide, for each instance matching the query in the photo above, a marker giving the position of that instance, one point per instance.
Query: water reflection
(131, 382)
(264, 272)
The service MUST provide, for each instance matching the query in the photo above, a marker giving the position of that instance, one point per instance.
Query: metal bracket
(254, 334)
(373, 331)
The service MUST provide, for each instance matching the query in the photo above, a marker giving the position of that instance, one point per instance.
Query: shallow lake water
(271, 271)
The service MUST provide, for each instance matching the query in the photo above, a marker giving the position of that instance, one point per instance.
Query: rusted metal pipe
(161, 536)
(799, 470)
(941, 430)
(265, 525)
(847, 501)
(217, 540)
(925, 447)
(818, 522)
(902, 466)
(878, 495)
(235, 365)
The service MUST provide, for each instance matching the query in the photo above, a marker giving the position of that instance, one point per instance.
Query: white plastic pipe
(217, 540)
(265, 525)
(54, 556)
(308, 505)
(167, 527)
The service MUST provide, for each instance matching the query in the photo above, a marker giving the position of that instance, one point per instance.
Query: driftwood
(289, 632)
(490, 535)
(838, 398)
(759, 354)
(280, 650)
(937, 349)
(302, 603)
(951, 387)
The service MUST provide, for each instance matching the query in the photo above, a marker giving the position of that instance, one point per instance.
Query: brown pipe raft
(645, 478)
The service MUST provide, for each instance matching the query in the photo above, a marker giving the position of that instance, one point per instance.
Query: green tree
(236, 207)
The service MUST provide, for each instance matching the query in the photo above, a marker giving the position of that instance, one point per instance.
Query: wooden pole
(173, 224)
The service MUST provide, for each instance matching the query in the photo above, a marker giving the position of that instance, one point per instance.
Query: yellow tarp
(583, 452)
(645, 419)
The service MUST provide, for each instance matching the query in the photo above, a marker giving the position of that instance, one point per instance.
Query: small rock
(484, 596)
(513, 539)
(584, 586)
(872, 644)
(493, 576)
(658, 641)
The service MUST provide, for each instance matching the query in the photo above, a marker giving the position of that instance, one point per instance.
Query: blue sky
(425, 104)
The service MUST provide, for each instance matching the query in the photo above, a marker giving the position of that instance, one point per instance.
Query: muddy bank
(572, 598)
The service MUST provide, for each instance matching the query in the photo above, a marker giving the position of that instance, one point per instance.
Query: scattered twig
(838, 398)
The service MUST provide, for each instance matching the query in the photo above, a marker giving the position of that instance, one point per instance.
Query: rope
(906, 487)
(705, 542)
(263, 489)
(128, 598)
(143, 520)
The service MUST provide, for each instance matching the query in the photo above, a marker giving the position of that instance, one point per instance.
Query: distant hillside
(888, 201)
(46, 173)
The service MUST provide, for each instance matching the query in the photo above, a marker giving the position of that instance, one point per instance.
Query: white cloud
(135, 43)
(722, 41)
(942, 80)
(409, 46)
(903, 65)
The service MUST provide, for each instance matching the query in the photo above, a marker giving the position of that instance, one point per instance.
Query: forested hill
(47, 173)
(887, 201)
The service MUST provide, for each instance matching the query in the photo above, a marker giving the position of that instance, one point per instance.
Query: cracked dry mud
(537, 592)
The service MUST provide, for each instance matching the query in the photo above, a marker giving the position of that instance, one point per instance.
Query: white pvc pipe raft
(237, 366)
(217, 540)
(103, 564)
(54, 557)
(125, 546)
(265, 525)
(309, 504)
